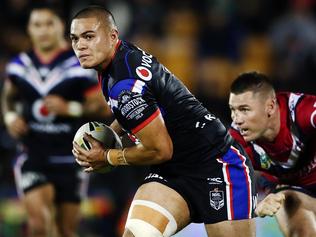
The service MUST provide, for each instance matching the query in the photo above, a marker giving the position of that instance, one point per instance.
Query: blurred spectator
(293, 39)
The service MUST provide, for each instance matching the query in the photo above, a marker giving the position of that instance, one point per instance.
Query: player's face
(45, 29)
(249, 113)
(92, 41)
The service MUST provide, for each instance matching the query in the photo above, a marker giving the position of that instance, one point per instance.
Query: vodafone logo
(143, 73)
(41, 113)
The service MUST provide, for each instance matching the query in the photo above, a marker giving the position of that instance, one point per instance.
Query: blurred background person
(45, 95)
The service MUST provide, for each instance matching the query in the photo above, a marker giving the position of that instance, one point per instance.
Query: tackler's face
(92, 41)
(45, 29)
(248, 112)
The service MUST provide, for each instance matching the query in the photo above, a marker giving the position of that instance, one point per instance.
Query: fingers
(270, 205)
(18, 129)
(91, 139)
(280, 197)
(56, 104)
(267, 210)
(79, 152)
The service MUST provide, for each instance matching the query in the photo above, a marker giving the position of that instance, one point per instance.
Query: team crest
(144, 73)
(216, 199)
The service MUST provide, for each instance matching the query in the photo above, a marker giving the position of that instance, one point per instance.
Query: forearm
(135, 155)
(8, 103)
(117, 128)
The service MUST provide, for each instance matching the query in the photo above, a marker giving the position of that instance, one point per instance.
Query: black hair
(41, 5)
(93, 10)
(251, 81)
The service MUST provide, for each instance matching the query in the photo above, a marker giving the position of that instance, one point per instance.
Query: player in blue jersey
(198, 172)
(45, 96)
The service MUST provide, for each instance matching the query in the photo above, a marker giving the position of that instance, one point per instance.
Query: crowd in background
(206, 43)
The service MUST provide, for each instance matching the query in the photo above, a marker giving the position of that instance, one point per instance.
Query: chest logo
(144, 73)
(41, 113)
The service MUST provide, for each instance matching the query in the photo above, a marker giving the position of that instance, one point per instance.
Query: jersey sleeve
(133, 104)
(15, 69)
(306, 115)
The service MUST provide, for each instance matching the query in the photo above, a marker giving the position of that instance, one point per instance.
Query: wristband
(75, 108)
(117, 157)
(10, 117)
(124, 158)
(108, 158)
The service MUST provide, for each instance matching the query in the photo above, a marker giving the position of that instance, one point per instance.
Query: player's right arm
(270, 204)
(117, 128)
(15, 124)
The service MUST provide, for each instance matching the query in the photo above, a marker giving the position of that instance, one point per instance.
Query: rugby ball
(101, 132)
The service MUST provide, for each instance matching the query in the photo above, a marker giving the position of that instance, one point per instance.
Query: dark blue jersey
(49, 135)
(139, 88)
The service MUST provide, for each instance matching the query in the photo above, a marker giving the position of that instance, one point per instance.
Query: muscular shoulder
(132, 63)
(17, 65)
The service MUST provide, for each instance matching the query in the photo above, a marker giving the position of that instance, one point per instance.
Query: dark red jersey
(291, 157)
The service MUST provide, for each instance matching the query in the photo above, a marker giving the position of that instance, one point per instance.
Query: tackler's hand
(92, 159)
(270, 205)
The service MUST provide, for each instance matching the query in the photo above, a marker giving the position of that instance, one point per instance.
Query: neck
(108, 60)
(47, 55)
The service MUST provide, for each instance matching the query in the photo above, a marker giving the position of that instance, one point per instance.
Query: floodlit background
(206, 43)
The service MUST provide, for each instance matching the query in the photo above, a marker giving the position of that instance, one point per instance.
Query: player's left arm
(306, 115)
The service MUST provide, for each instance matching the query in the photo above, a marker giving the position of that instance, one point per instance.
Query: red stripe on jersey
(99, 78)
(147, 121)
(230, 191)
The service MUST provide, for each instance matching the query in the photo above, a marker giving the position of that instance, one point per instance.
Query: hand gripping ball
(103, 134)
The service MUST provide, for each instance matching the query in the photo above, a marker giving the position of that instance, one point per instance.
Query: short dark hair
(93, 10)
(43, 5)
(251, 81)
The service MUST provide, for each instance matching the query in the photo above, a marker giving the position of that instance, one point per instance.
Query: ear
(114, 35)
(271, 106)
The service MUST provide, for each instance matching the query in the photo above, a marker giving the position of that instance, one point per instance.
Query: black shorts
(218, 190)
(69, 181)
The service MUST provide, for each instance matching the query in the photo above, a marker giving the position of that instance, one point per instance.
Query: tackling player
(198, 173)
(278, 131)
(52, 92)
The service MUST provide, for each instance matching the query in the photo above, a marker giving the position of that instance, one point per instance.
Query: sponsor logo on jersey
(41, 113)
(50, 128)
(132, 105)
(216, 199)
(216, 180)
(143, 73)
